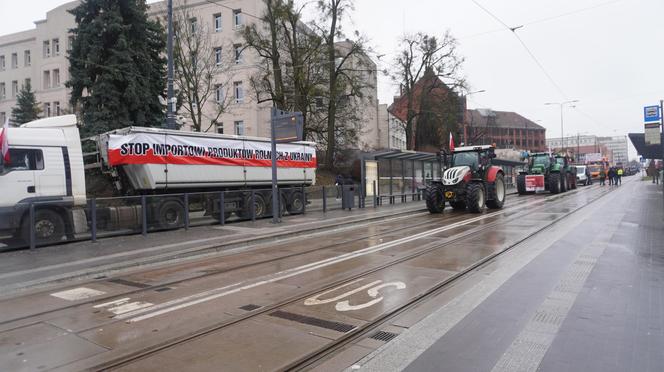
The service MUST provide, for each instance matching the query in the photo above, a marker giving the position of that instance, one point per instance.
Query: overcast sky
(608, 54)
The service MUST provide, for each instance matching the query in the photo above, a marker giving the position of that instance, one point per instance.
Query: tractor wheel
(475, 199)
(572, 183)
(521, 184)
(554, 183)
(458, 206)
(498, 198)
(435, 199)
(563, 182)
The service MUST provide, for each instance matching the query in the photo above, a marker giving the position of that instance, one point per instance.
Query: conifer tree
(27, 108)
(117, 69)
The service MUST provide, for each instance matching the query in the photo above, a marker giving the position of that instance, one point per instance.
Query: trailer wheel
(475, 197)
(170, 214)
(296, 205)
(260, 208)
(49, 227)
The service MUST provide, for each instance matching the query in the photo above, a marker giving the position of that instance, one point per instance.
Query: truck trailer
(46, 169)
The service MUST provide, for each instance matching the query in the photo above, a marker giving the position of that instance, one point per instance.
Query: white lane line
(116, 302)
(212, 294)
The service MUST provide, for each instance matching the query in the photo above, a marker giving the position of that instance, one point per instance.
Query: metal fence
(52, 222)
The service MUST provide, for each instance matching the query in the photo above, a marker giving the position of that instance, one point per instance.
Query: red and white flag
(4, 141)
(451, 142)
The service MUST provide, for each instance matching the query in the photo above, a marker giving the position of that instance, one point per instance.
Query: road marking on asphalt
(372, 288)
(123, 305)
(373, 292)
(77, 294)
(213, 294)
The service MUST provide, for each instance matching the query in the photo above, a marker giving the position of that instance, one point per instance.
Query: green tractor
(545, 172)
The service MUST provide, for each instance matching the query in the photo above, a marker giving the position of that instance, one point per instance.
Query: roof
(500, 119)
(402, 155)
(435, 88)
(647, 151)
(472, 148)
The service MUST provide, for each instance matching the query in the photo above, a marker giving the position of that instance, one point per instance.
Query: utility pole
(170, 100)
(661, 120)
(578, 139)
(562, 133)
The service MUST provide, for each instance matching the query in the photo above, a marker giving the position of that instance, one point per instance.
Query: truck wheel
(475, 197)
(170, 214)
(554, 183)
(458, 205)
(498, 198)
(521, 184)
(260, 208)
(49, 227)
(435, 199)
(296, 205)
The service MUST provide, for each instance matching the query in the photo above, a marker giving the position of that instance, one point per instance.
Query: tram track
(451, 219)
(362, 331)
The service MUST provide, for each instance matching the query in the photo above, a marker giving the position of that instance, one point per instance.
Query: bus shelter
(396, 173)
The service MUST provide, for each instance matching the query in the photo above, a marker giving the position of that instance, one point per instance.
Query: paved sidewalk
(24, 268)
(586, 296)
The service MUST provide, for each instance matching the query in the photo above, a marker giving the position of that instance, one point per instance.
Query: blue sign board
(651, 113)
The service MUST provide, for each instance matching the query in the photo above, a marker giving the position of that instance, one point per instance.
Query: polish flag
(451, 142)
(4, 141)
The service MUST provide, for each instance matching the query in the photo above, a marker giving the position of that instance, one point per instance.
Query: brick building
(504, 128)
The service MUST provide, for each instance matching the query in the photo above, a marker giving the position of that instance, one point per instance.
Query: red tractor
(470, 180)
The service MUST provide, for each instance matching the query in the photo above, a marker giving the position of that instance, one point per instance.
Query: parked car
(583, 175)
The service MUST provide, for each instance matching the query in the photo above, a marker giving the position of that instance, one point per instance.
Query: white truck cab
(45, 165)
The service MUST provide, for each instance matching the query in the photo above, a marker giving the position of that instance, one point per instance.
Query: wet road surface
(269, 307)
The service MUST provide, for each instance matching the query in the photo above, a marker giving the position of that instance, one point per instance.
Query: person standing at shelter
(602, 176)
(338, 182)
(652, 170)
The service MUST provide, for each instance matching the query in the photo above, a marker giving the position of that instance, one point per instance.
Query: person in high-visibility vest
(619, 174)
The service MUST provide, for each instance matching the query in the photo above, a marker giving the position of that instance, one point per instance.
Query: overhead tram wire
(513, 30)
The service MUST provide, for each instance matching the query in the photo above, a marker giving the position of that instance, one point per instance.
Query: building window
(239, 92)
(217, 56)
(47, 49)
(3, 91)
(2, 63)
(14, 60)
(56, 108)
(26, 58)
(56, 78)
(28, 83)
(47, 109)
(239, 128)
(3, 117)
(193, 24)
(14, 88)
(237, 18)
(217, 22)
(238, 53)
(220, 127)
(70, 42)
(319, 103)
(219, 93)
(56, 47)
(47, 80)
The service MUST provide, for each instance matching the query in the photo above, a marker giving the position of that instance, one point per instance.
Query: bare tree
(422, 54)
(346, 66)
(203, 71)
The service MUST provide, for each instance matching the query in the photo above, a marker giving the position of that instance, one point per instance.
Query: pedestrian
(619, 174)
(602, 176)
(611, 175)
(656, 176)
(651, 171)
(338, 182)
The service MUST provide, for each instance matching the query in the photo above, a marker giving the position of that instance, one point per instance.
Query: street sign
(593, 156)
(652, 134)
(651, 114)
(288, 127)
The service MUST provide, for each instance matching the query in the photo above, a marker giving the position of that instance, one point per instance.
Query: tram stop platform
(587, 294)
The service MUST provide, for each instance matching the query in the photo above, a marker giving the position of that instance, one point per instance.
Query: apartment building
(37, 57)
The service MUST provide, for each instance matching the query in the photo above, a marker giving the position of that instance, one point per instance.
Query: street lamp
(562, 104)
(465, 105)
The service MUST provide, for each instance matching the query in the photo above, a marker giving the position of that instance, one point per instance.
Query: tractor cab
(477, 158)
